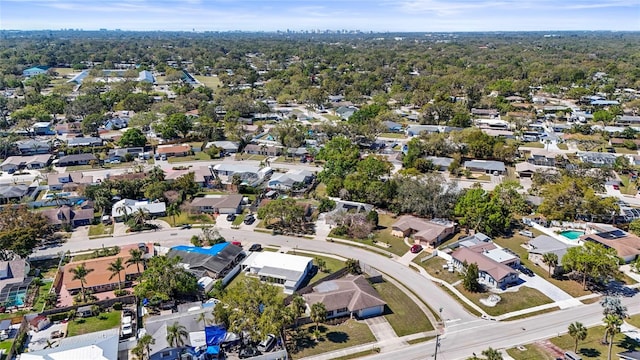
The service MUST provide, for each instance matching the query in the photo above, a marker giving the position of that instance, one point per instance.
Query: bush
(117, 306)
(58, 317)
(120, 292)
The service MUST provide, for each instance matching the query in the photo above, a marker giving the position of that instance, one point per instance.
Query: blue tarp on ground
(214, 335)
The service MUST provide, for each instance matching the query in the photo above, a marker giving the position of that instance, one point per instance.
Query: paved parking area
(39, 340)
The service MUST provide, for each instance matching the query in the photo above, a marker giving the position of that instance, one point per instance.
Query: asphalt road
(464, 333)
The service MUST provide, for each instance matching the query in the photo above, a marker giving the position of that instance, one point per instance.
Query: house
(116, 123)
(77, 159)
(69, 128)
(263, 149)
(491, 113)
(14, 163)
(201, 175)
(430, 232)
(392, 126)
(472, 240)
(100, 279)
(492, 124)
(597, 159)
(126, 207)
(38, 323)
(249, 175)
(68, 215)
(14, 282)
(345, 112)
(299, 152)
(229, 147)
(10, 193)
(36, 70)
(31, 147)
(348, 296)
(68, 181)
(348, 206)
(628, 120)
(42, 128)
(146, 76)
(218, 204)
(174, 150)
(84, 141)
(156, 326)
(542, 157)
(291, 180)
(486, 166)
(440, 163)
(525, 169)
(627, 245)
(121, 154)
(415, 130)
(543, 244)
(501, 133)
(214, 262)
(280, 269)
(101, 345)
(491, 273)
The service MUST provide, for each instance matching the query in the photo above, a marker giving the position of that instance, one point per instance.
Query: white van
(570, 355)
(126, 328)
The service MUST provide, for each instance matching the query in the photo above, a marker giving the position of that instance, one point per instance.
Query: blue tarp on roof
(213, 350)
(213, 251)
(214, 334)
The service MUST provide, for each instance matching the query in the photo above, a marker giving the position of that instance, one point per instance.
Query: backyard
(104, 321)
(524, 298)
(403, 314)
(332, 337)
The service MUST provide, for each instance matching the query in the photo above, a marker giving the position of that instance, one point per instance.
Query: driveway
(551, 291)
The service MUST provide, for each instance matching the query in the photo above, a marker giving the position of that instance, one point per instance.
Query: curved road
(464, 333)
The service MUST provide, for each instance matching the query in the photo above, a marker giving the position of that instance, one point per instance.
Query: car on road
(248, 352)
(526, 271)
(185, 226)
(255, 247)
(231, 217)
(249, 219)
(416, 248)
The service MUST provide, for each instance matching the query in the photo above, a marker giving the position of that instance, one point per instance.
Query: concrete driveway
(551, 291)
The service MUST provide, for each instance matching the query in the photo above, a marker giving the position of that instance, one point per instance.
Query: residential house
(472, 240)
(42, 128)
(84, 141)
(32, 147)
(146, 76)
(542, 157)
(298, 153)
(116, 123)
(628, 120)
(126, 207)
(276, 268)
(100, 345)
(491, 273)
(9, 193)
(161, 349)
(120, 154)
(345, 112)
(174, 150)
(69, 128)
(201, 175)
(492, 124)
(218, 204)
(501, 133)
(14, 281)
(392, 126)
(291, 180)
(214, 262)
(68, 181)
(36, 70)
(525, 169)
(627, 245)
(77, 159)
(263, 149)
(486, 166)
(39, 322)
(429, 232)
(344, 206)
(65, 214)
(348, 296)
(249, 175)
(597, 159)
(229, 147)
(543, 244)
(415, 130)
(490, 113)
(15, 163)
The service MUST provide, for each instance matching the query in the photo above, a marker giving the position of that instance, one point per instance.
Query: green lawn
(402, 313)
(238, 220)
(209, 81)
(6, 346)
(104, 321)
(537, 145)
(331, 265)
(393, 135)
(332, 337)
(434, 267)
(483, 177)
(592, 347)
(383, 235)
(195, 157)
(524, 298)
(79, 168)
(48, 268)
(100, 230)
(563, 146)
(627, 187)
(634, 320)
(42, 292)
(624, 150)
(186, 218)
(531, 352)
(514, 243)
(332, 117)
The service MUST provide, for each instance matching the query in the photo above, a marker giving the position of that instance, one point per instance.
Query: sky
(364, 15)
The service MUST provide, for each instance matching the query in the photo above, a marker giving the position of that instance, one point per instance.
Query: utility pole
(435, 355)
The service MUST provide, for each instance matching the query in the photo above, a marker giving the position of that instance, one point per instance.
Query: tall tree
(137, 258)
(612, 325)
(142, 350)
(591, 260)
(177, 334)
(80, 272)
(492, 354)
(165, 279)
(578, 332)
(318, 313)
(470, 278)
(173, 210)
(551, 260)
(132, 137)
(115, 268)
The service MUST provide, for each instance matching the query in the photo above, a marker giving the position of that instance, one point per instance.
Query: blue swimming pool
(16, 299)
(572, 234)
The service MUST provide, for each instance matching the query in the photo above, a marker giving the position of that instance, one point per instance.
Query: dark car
(185, 226)
(249, 219)
(526, 271)
(248, 352)
(416, 248)
(255, 247)
(231, 217)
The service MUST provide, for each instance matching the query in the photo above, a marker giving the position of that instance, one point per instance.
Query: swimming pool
(572, 234)
(16, 299)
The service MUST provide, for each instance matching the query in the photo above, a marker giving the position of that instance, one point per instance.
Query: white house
(280, 269)
(101, 345)
(13, 163)
(128, 207)
(290, 179)
(249, 175)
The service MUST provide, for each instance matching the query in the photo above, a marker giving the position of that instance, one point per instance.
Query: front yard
(104, 321)
(524, 298)
(100, 230)
(196, 157)
(435, 268)
(332, 337)
(186, 218)
(403, 314)
(331, 265)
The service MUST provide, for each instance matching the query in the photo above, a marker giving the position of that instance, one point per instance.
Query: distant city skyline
(364, 15)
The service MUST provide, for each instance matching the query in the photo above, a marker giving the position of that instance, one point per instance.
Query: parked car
(249, 219)
(185, 226)
(526, 233)
(57, 334)
(526, 271)
(416, 248)
(248, 352)
(255, 247)
(231, 217)
(268, 343)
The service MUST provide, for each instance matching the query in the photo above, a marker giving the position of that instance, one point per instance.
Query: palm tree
(551, 260)
(140, 216)
(143, 349)
(612, 325)
(173, 209)
(80, 272)
(137, 258)
(203, 318)
(124, 210)
(115, 268)
(492, 354)
(156, 174)
(299, 306)
(578, 332)
(58, 198)
(318, 313)
(176, 334)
